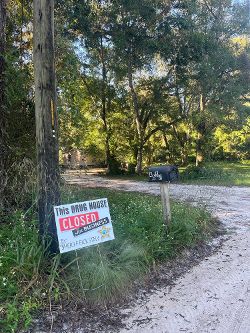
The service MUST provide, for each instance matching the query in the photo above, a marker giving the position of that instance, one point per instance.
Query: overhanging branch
(161, 128)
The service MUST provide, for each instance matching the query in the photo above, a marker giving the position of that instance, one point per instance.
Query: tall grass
(106, 271)
(30, 279)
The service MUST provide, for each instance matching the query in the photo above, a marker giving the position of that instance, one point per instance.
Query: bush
(114, 166)
(17, 185)
(131, 168)
(203, 172)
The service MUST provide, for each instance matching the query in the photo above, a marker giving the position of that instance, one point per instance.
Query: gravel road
(213, 296)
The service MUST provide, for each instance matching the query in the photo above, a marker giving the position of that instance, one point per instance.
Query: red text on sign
(77, 221)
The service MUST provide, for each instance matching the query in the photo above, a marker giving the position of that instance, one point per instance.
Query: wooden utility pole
(3, 111)
(46, 119)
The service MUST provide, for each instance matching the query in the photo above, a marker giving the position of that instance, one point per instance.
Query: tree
(96, 73)
(46, 118)
(205, 70)
(117, 44)
(133, 26)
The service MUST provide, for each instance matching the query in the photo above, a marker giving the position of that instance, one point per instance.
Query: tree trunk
(184, 156)
(108, 154)
(167, 146)
(46, 119)
(139, 125)
(105, 108)
(150, 154)
(199, 149)
(183, 145)
(201, 129)
(3, 109)
(138, 168)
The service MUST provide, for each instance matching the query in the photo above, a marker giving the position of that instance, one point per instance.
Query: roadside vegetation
(209, 173)
(218, 173)
(31, 280)
(138, 83)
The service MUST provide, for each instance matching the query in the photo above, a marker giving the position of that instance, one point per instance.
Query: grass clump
(106, 271)
(30, 279)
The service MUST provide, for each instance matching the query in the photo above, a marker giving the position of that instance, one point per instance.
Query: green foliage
(30, 279)
(204, 172)
(114, 166)
(20, 123)
(136, 67)
(21, 262)
(232, 144)
(107, 271)
(18, 184)
(17, 105)
(138, 218)
(218, 173)
(174, 52)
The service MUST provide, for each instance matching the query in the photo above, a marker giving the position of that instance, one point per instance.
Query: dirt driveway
(213, 296)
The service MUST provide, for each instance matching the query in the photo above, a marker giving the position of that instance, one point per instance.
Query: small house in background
(75, 159)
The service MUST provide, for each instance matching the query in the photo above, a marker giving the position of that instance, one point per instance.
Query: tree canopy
(138, 82)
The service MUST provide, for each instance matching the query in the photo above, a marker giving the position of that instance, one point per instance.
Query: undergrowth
(31, 280)
(218, 173)
(206, 173)
(210, 173)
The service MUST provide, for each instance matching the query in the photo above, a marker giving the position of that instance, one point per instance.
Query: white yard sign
(83, 224)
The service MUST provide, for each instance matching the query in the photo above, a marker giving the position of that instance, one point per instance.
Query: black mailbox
(163, 173)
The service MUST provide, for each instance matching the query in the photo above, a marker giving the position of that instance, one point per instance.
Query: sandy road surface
(213, 296)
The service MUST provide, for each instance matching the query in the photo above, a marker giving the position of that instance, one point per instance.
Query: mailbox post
(164, 175)
(165, 199)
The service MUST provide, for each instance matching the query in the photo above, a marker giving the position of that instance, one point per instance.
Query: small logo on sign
(104, 232)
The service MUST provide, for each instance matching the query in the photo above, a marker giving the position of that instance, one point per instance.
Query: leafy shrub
(114, 166)
(131, 168)
(21, 261)
(17, 184)
(203, 172)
